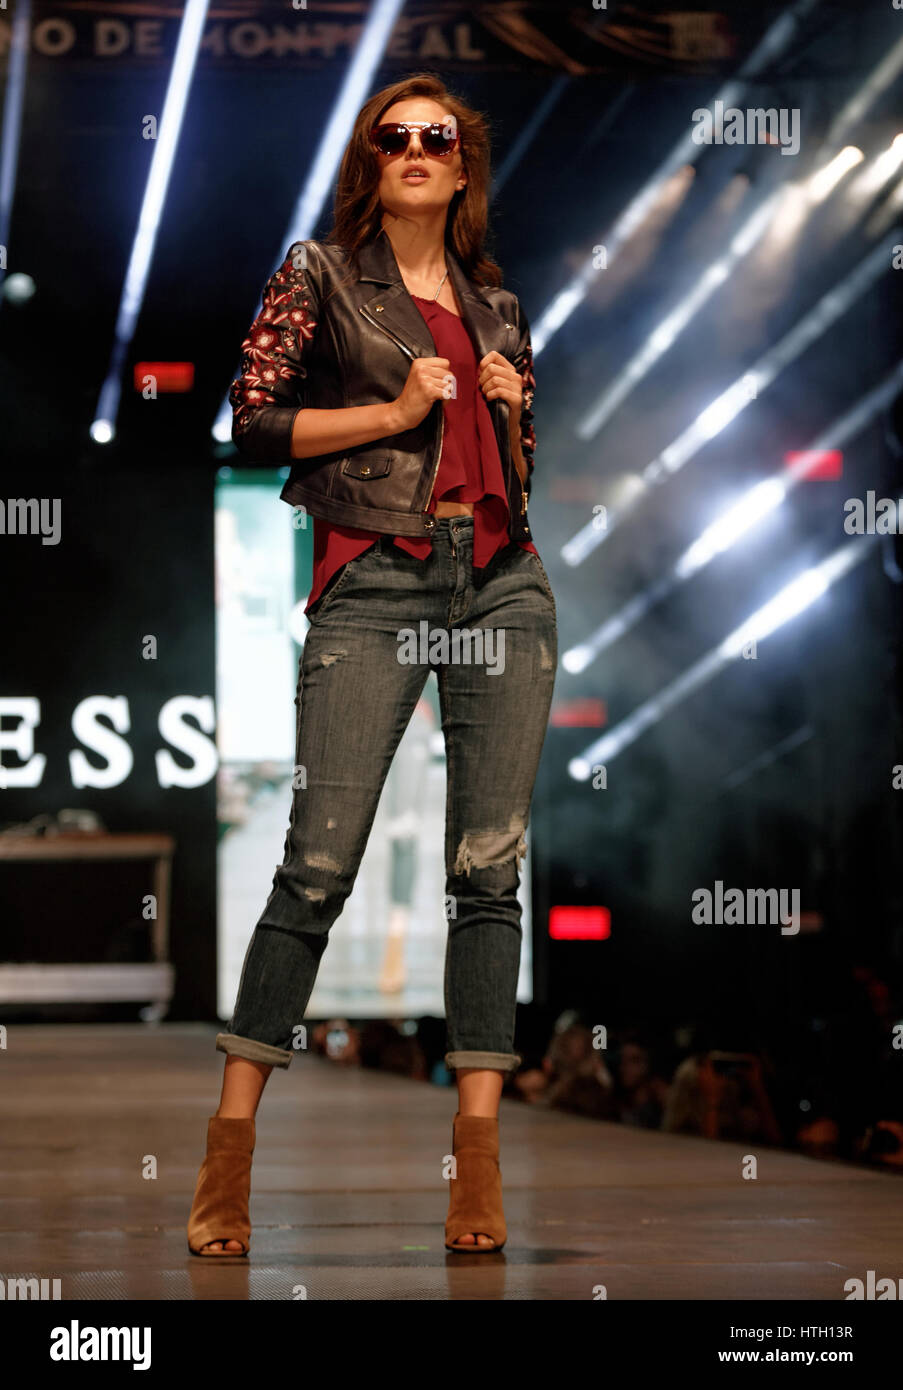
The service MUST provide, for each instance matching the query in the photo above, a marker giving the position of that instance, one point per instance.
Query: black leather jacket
(327, 337)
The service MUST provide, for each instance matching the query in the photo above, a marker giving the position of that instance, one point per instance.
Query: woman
(389, 366)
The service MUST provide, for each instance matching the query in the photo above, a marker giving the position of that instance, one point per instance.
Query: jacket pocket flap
(368, 465)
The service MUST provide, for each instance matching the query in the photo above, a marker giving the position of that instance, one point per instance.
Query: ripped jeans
(382, 623)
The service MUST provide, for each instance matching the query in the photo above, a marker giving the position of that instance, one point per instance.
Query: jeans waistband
(452, 533)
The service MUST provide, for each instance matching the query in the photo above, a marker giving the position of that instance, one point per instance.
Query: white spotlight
(18, 288)
(792, 600)
(825, 180)
(880, 172)
(726, 530)
(102, 431)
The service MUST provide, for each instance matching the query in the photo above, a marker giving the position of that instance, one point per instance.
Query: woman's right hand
(430, 379)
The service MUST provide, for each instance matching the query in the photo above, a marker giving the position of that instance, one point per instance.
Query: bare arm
(328, 431)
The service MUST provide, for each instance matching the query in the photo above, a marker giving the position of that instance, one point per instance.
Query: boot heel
(220, 1207)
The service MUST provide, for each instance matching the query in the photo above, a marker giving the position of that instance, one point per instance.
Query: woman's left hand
(499, 380)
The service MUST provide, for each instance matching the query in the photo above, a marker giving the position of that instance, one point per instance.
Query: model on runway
(395, 374)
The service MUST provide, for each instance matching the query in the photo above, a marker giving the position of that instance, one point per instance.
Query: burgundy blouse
(470, 469)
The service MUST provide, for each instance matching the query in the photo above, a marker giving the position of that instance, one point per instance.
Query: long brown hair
(358, 211)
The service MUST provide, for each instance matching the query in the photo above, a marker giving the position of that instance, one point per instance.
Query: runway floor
(348, 1199)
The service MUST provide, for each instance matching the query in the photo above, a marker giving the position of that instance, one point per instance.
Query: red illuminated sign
(169, 378)
(587, 713)
(579, 923)
(815, 465)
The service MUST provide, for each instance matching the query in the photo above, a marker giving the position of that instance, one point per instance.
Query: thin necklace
(441, 283)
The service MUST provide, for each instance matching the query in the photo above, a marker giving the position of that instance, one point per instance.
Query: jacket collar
(398, 312)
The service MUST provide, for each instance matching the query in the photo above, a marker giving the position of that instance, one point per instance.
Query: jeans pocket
(337, 581)
(542, 574)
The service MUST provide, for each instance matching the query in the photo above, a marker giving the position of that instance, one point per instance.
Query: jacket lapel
(393, 307)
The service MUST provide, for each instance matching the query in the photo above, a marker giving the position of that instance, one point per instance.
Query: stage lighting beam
(190, 32)
(773, 43)
(13, 105)
(789, 603)
(729, 528)
(368, 54)
(726, 407)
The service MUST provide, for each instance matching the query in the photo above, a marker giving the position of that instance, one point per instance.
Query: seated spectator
(883, 1143)
(530, 1084)
(385, 1048)
(721, 1095)
(579, 1080)
(639, 1095)
(819, 1138)
(337, 1040)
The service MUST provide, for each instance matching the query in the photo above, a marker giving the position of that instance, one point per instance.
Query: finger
(501, 383)
(497, 394)
(496, 373)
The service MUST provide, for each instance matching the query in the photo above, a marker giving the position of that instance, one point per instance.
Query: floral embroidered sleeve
(265, 398)
(524, 365)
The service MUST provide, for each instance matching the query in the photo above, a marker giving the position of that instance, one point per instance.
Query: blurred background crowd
(704, 1080)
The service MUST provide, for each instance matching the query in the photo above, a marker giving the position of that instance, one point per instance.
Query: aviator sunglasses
(436, 137)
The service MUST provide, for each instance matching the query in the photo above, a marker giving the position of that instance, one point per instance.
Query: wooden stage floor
(348, 1198)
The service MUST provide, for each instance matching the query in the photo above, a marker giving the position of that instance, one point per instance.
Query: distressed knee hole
(330, 658)
(481, 849)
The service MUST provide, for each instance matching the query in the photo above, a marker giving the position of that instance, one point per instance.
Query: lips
(415, 176)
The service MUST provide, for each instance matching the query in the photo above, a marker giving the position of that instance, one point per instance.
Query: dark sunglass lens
(391, 140)
(437, 139)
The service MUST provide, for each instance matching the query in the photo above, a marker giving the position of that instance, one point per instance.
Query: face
(633, 1065)
(414, 183)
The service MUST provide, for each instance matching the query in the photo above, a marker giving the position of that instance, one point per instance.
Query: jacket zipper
(388, 332)
(439, 455)
(407, 351)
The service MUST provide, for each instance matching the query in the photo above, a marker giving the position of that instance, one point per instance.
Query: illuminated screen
(386, 952)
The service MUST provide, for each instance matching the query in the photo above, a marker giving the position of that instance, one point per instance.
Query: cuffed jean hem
(252, 1050)
(489, 1061)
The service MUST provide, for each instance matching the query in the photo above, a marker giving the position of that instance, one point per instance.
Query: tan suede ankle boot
(220, 1207)
(475, 1195)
